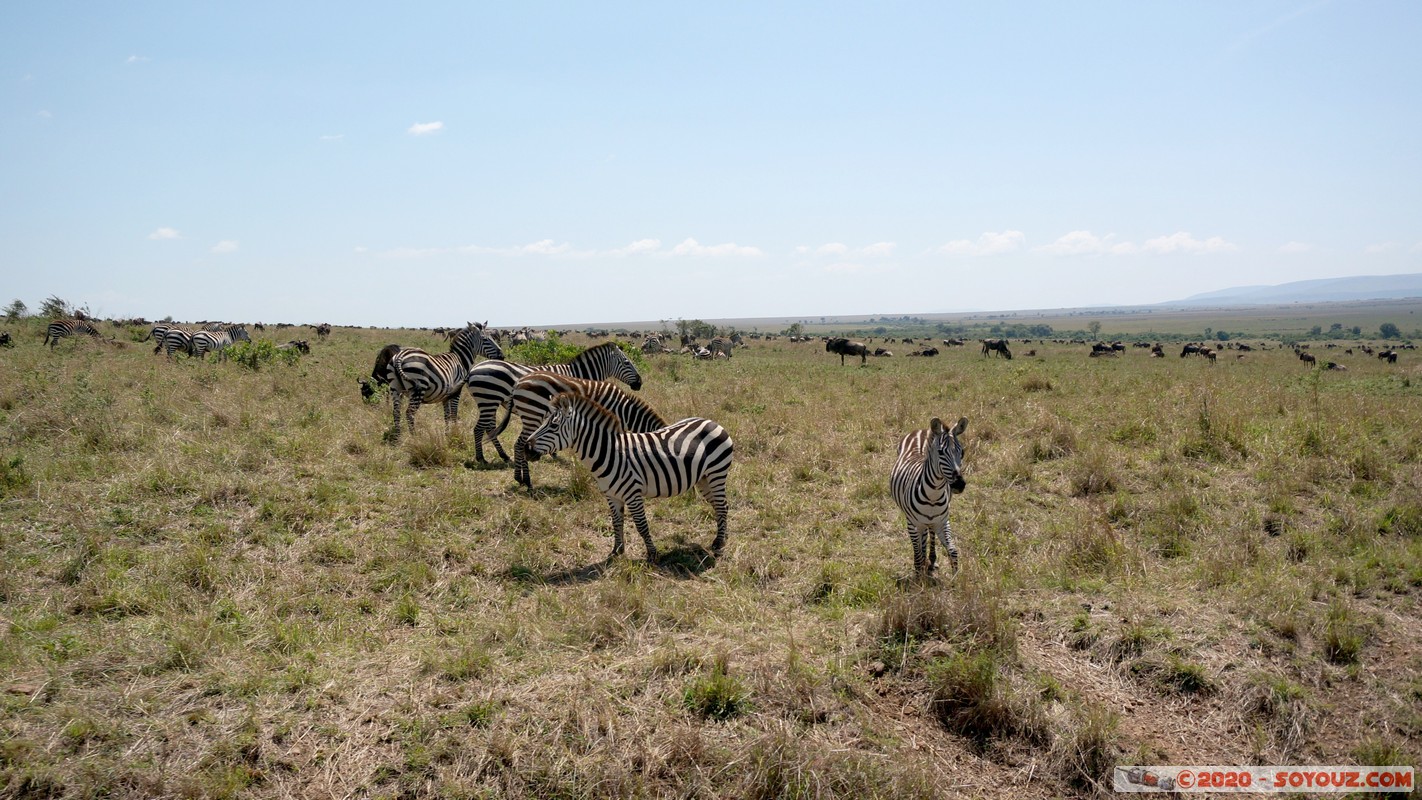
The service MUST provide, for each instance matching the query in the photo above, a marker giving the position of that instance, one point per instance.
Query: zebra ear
(936, 426)
(961, 426)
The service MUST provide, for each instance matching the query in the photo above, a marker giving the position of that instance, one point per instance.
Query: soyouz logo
(1226, 780)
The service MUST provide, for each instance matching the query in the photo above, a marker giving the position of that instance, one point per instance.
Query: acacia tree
(16, 310)
(1387, 330)
(55, 307)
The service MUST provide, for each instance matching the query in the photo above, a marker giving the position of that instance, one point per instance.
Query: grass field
(222, 582)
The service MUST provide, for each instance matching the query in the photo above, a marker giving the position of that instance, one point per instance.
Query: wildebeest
(323, 330)
(5, 340)
(845, 347)
(1389, 355)
(997, 347)
(299, 345)
(1191, 349)
(1307, 358)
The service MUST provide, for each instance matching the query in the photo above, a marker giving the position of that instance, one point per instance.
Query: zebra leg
(920, 559)
(521, 462)
(451, 410)
(618, 545)
(945, 534)
(715, 494)
(395, 411)
(415, 401)
(639, 516)
(479, 428)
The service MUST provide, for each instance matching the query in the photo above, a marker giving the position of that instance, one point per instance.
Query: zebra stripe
(533, 396)
(430, 378)
(156, 334)
(630, 467)
(926, 475)
(206, 341)
(61, 328)
(492, 383)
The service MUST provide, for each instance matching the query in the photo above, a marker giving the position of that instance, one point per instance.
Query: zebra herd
(630, 449)
(212, 338)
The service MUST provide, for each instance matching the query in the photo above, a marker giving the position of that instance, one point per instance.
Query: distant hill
(1361, 287)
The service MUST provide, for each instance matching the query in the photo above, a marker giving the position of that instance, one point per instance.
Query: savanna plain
(225, 581)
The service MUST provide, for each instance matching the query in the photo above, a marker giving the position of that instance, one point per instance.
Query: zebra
(205, 341)
(721, 344)
(533, 396)
(61, 328)
(176, 339)
(156, 334)
(630, 467)
(430, 378)
(925, 477)
(492, 382)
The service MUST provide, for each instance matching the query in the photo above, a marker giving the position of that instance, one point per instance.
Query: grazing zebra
(926, 475)
(492, 383)
(630, 467)
(156, 334)
(430, 378)
(206, 341)
(533, 397)
(721, 345)
(61, 328)
(176, 339)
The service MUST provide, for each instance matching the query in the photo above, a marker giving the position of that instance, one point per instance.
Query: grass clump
(717, 694)
(1343, 635)
(1086, 752)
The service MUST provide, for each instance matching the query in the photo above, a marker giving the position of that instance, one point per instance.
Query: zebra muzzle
(958, 485)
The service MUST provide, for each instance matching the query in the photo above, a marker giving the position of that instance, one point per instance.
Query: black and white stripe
(61, 328)
(177, 340)
(492, 382)
(630, 467)
(156, 334)
(533, 397)
(720, 345)
(926, 475)
(209, 341)
(428, 378)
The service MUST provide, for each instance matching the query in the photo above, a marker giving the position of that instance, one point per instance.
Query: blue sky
(560, 163)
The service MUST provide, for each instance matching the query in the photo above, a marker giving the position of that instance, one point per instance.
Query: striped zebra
(61, 328)
(156, 334)
(926, 475)
(208, 341)
(177, 340)
(533, 396)
(721, 344)
(630, 467)
(437, 378)
(492, 383)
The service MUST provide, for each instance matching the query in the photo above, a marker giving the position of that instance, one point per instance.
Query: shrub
(255, 355)
(717, 695)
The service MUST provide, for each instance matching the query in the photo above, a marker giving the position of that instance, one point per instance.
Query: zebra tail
(508, 412)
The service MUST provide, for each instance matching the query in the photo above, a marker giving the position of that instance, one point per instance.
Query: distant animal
(157, 333)
(631, 467)
(720, 344)
(491, 384)
(1307, 358)
(299, 345)
(61, 328)
(996, 347)
(1389, 355)
(426, 378)
(1333, 365)
(323, 330)
(1031, 353)
(208, 341)
(701, 353)
(926, 475)
(533, 397)
(1190, 350)
(5, 339)
(653, 344)
(882, 353)
(845, 347)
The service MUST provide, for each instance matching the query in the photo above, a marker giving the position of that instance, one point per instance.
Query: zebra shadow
(685, 560)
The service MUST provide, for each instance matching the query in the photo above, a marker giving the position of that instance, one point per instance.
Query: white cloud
(989, 244)
(1380, 248)
(1182, 242)
(844, 268)
(639, 247)
(1295, 247)
(333, 137)
(840, 250)
(878, 250)
(137, 59)
(424, 128)
(832, 249)
(225, 246)
(691, 247)
(1084, 243)
(164, 233)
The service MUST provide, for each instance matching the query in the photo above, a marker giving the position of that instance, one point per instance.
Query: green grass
(223, 581)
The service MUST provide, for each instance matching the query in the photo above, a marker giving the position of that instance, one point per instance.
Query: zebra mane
(595, 352)
(576, 400)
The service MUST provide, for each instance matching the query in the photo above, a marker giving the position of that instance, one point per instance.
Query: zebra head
(569, 415)
(239, 334)
(944, 442)
(626, 370)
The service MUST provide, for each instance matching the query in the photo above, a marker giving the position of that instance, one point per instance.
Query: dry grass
(222, 582)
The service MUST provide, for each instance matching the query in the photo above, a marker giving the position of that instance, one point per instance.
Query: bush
(255, 355)
(717, 695)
